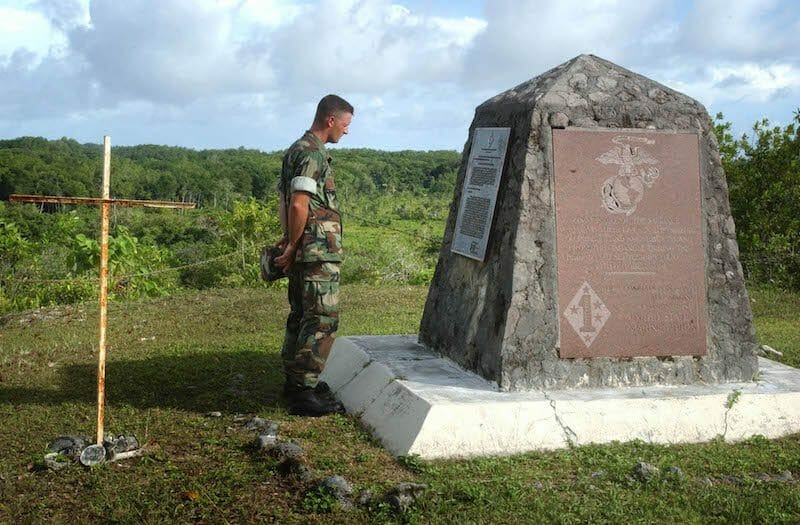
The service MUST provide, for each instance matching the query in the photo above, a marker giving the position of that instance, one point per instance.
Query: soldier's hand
(287, 257)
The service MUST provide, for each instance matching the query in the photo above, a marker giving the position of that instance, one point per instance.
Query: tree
(763, 173)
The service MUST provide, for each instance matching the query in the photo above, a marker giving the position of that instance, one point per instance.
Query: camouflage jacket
(307, 167)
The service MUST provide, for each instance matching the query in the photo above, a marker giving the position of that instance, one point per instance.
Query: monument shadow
(199, 382)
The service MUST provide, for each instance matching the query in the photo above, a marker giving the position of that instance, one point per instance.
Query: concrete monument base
(417, 402)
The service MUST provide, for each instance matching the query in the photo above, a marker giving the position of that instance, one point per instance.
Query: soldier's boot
(307, 402)
(323, 391)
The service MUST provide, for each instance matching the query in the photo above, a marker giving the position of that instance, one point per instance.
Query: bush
(763, 173)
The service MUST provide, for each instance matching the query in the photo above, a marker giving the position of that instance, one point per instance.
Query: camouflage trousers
(312, 322)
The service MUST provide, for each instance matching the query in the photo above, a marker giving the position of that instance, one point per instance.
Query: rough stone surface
(606, 83)
(285, 451)
(578, 81)
(365, 498)
(119, 445)
(645, 471)
(559, 120)
(262, 425)
(676, 472)
(404, 495)
(500, 317)
(785, 476)
(295, 467)
(338, 487)
(733, 480)
(264, 441)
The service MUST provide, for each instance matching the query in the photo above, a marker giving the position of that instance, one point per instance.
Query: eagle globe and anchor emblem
(621, 193)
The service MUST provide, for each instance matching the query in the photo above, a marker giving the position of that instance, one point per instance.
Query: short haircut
(331, 105)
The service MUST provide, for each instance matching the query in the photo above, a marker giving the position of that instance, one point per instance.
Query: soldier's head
(333, 117)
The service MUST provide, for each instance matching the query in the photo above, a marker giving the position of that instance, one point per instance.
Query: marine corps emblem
(622, 192)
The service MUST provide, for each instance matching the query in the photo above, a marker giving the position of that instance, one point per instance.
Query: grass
(173, 360)
(777, 316)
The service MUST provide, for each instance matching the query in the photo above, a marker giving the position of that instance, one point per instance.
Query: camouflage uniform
(314, 276)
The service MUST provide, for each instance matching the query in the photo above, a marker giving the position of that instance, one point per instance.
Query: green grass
(172, 360)
(777, 320)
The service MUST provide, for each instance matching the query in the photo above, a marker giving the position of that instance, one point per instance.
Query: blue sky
(230, 73)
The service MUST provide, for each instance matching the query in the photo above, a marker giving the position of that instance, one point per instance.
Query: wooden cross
(105, 202)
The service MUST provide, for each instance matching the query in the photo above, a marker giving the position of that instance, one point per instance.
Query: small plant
(415, 464)
(363, 457)
(733, 397)
(318, 501)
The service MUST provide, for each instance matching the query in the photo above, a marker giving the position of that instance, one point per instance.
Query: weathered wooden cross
(105, 202)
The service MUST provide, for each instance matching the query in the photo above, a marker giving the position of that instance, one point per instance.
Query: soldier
(311, 258)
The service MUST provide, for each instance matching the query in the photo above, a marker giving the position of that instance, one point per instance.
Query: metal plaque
(629, 243)
(479, 195)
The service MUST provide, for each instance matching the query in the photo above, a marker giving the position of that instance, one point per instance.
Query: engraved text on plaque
(629, 243)
(484, 171)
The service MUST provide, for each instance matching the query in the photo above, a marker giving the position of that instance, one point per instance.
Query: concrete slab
(416, 402)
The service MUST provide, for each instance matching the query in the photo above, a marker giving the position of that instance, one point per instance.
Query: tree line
(210, 178)
(48, 258)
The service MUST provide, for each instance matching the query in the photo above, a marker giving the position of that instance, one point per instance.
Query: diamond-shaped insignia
(586, 314)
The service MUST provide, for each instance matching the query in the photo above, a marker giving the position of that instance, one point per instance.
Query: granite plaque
(629, 243)
(484, 170)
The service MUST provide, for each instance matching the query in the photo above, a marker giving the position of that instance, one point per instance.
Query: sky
(248, 73)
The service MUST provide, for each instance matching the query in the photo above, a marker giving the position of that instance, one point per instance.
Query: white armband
(304, 184)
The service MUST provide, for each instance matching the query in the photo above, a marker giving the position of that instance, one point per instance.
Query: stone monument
(611, 256)
(589, 248)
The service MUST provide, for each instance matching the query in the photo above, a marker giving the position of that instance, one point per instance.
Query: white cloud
(269, 13)
(172, 51)
(64, 14)
(31, 87)
(177, 51)
(524, 38)
(742, 29)
(741, 82)
(368, 47)
(458, 31)
(23, 29)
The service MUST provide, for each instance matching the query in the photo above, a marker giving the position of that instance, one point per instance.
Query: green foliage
(763, 173)
(733, 398)
(394, 239)
(27, 272)
(241, 233)
(210, 178)
(415, 464)
(134, 269)
(319, 501)
(13, 248)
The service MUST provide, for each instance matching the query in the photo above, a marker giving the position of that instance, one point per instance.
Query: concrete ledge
(417, 402)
